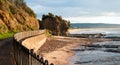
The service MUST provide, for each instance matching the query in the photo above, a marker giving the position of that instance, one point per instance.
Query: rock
(93, 45)
(78, 49)
(111, 46)
(112, 50)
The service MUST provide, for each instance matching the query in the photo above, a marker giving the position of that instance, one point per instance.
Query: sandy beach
(57, 49)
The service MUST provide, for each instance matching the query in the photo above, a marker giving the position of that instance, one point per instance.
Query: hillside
(16, 16)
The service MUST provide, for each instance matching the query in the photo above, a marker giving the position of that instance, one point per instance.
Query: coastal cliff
(16, 16)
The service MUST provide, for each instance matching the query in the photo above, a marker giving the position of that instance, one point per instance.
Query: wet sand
(57, 49)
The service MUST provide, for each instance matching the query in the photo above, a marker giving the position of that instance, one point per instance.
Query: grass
(6, 35)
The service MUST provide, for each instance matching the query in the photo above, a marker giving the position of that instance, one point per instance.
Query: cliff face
(55, 24)
(15, 16)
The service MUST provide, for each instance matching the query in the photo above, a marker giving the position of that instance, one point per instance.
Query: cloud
(77, 8)
(110, 14)
(96, 19)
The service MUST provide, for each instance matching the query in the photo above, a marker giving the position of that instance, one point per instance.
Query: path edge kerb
(19, 37)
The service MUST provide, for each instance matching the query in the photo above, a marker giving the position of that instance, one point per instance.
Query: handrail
(23, 55)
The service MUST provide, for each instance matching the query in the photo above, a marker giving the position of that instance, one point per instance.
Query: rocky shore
(58, 49)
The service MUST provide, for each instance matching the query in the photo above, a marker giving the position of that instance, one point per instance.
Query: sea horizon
(95, 28)
(94, 25)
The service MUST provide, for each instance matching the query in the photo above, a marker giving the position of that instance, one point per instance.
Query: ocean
(97, 56)
(110, 30)
(93, 25)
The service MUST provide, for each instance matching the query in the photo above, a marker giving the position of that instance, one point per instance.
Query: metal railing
(24, 56)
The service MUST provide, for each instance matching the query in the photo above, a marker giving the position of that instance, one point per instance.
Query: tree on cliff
(55, 24)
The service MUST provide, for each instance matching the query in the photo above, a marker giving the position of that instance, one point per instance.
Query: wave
(106, 31)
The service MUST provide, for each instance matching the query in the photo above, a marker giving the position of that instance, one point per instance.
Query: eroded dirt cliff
(16, 16)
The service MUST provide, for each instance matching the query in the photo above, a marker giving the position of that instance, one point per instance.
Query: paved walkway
(6, 51)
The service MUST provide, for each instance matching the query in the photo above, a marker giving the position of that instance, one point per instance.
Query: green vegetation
(12, 9)
(30, 12)
(5, 1)
(6, 35)
(56, 24)
(48, 33)
(32, 28)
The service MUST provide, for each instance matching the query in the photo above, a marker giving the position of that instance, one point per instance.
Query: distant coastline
(93, 25)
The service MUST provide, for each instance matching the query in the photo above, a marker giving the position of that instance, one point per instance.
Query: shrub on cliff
(56, 24)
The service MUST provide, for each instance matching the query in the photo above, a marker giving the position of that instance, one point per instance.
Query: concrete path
(6, 51)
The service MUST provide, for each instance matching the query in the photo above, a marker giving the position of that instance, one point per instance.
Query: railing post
(46, 62)
(30, 57)
(51, 64)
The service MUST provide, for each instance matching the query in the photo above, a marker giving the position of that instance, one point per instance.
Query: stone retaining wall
(25, 45)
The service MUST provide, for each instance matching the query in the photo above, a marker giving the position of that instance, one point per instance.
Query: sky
(79, 11)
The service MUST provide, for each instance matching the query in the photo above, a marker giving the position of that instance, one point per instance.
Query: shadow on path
(6, 51)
